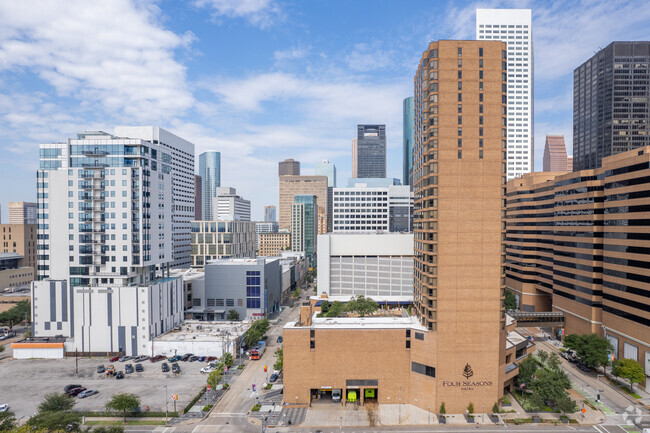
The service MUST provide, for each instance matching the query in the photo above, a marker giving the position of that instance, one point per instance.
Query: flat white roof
(371, 322)
(366, 244)
(194, 330)
(378, 298)
(242, 261)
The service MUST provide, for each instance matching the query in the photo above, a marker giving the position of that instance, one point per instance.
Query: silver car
(87, 393)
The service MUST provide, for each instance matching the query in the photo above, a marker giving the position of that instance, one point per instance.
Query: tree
(16, 314)
(124, 403)
(56, 403)
(280, 361)
(324, 307)
(554, 361)
(511, 301)
(55, 421)
(495, 408)
(629, 369)
(7, 421)
(227, 359)
(470, 408)
(527, 369)
(565, 405)
(543, 356)
(256, 332)
(233, 315)
(336, 309)
(591, 349)
(2, 348)
(215, 377)
(443, 409)
(362, 306)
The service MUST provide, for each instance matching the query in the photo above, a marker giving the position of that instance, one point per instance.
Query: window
(460, 85)
(480, 108)
(408, 344)
(460, 108)
(480, 131)
(480, 154)
(460, 120)
(312, 344)
(480, 63)
(460, 75)
(480, 97)
(480, 85)
(480, 52)
(460, 131)
(460, 51)
(460, 142)
(419, 336)
(480, 120)
(480, 142)
(423, 369)
(460, 154)
(408, 333)
(460, 63)
(480, 75)
(460, 97)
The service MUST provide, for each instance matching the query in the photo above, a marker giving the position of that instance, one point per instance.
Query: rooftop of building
(205, 331)
(40, 340)
(384, 320)
(187, 274)
(243, 261)
(380, 299)
(10, 256)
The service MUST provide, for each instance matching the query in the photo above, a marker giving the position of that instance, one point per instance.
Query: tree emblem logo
(467, 371)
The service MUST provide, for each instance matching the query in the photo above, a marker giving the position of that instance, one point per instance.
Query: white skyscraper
(514, 27)
(228, 206)
(111, 222)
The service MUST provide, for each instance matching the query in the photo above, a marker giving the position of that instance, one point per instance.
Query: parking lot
(25, 382)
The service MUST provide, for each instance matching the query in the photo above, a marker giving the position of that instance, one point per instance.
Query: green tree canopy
(227, 359)
(280, 361)
(55, 421)
(124, 403)
(511, 301)
(56, 403)
(443, 409)
(592, 349)
(527, 369)
(256, 332)
(628, 369)
(7, 421)
(109, 429)
(214, 378)
(16, 314)
(233, 315)
(362, 306)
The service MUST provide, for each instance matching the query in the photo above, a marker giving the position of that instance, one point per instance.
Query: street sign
(209, 387)
(584, 410)
(175, 396)
(265, 369)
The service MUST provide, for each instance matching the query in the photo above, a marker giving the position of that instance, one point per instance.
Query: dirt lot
(23, 383)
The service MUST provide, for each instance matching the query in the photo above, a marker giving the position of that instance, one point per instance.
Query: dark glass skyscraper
(610, 103)
(407, 139)
(369, 151)
(210, 172)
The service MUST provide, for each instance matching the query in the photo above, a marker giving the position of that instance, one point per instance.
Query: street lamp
(341, 425)
(429, 409)
(166, 406)
(483, 414)
(400, 405)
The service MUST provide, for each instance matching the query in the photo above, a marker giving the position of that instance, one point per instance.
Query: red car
(114, 359)
(210, 358)
(157, 358)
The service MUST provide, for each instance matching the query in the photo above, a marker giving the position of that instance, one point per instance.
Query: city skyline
(218, 107)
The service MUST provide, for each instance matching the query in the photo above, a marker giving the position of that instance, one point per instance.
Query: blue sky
(258, 80)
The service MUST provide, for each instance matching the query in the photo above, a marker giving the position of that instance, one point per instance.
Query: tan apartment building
(578, 243)
(213, 240)
(22, 212)
(456, 348)
(271, 244)
(291, 186)
(20, 239)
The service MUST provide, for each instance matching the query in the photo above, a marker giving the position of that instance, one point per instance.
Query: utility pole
(76, 362)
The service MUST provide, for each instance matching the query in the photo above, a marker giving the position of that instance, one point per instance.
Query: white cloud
(111, 55)
(366, 57)
(292, 53)
(260, 13)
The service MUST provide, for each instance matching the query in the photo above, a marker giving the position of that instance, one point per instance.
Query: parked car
(68, 388)
(201, 358)
(114, 359)
(139, 368)
(101, 369)
(4, 407)
(211, 358)
(174, 358)
(141, 358)
(279, 339)
(273, 378)
(208, 369)
(582, 366)
(176, 368)
(87, 393)
(76, 391)
(157, 358)
(128, 368)
(193, 358)
(124, 358)
(119, 375)
(165, 367)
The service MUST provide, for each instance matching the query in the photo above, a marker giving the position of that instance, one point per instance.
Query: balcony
(95, 152)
